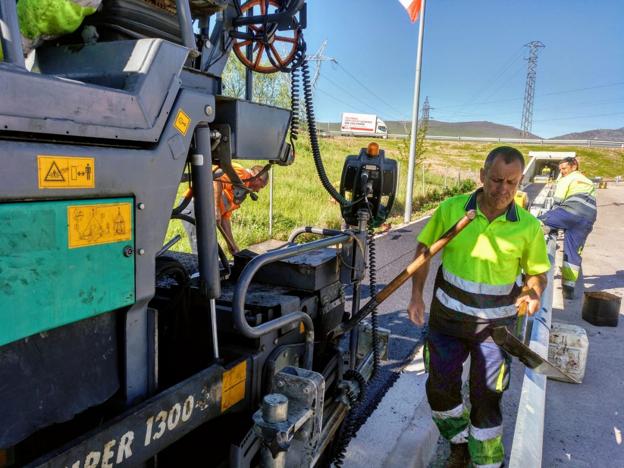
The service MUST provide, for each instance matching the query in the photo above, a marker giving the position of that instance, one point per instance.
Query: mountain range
(616, 134)
(485, 129)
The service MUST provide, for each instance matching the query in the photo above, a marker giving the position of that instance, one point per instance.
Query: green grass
(299, 199)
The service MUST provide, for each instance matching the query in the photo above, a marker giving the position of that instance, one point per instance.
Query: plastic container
(568, 349)
(601, 308)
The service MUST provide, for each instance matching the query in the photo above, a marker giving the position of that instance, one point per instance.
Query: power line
(398, 112)
(498, 74)
(581, 117)
(347, 92)
(349, 105)
(575, 117)
(618, 83)
(575, 90)
(515, 74)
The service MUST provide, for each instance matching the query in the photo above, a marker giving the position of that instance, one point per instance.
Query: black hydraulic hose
(372, 275)
(188, 196)
(312, 230)
(357, 415)
(316, 151)
(294, 106)
(222, 257)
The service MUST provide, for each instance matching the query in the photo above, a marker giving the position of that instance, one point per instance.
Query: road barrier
(521, 141)
(528, 437)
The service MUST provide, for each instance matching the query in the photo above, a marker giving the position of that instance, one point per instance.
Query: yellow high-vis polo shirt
(481, 273)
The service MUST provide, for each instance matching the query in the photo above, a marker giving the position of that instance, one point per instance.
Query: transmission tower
(529, 91)
(426, 110)
(319, 58)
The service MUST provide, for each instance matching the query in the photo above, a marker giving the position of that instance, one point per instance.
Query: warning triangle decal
(54, 174)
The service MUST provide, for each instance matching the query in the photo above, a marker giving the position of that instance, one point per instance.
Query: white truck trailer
(363, 125)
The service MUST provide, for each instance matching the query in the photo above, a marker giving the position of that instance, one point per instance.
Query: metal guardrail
(533, 141)
(528, 440)
(523, 141)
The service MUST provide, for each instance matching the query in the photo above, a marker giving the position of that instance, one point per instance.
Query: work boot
(459, 457)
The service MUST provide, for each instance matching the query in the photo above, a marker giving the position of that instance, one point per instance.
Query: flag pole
(412, 155)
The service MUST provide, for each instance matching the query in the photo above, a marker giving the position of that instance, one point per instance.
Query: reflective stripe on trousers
(486, 446)
(453, 424)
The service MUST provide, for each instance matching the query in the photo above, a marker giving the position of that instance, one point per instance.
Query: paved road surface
(395, 250)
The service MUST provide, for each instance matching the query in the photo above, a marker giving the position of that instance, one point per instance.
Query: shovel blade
(506, 340)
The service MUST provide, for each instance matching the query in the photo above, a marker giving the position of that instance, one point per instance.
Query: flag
(412, 7)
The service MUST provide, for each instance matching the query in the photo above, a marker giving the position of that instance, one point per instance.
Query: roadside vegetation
(449, 168)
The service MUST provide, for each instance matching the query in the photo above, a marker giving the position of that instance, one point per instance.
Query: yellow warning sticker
(233, 388)
(182, 122)
(98, 224)
(63, 172)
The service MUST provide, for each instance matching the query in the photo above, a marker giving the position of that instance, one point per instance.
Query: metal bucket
(601, 308)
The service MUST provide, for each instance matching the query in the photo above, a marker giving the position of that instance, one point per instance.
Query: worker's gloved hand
(416, 311)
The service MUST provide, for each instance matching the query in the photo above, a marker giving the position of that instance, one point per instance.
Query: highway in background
(523, 141)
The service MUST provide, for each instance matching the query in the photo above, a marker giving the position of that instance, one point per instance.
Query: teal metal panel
(44, 283)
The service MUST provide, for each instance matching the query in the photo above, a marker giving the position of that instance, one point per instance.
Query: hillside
(438, 128)
(598, 134)
(299, 198)
(475, 129)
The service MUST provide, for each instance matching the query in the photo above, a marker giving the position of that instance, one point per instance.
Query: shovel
(406, 274)
(516, 344)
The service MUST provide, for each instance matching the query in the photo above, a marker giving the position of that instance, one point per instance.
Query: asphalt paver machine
(116, 351)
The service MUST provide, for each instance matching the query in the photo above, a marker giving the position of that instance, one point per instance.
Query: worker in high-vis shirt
(575, 212)
(254, 179)
(41, 20)
(477, 287)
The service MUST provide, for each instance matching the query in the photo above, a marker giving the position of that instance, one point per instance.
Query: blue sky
(474, 65)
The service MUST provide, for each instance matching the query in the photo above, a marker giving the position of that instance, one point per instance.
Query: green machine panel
(63, 261)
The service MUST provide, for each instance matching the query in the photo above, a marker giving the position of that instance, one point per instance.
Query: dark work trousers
(489, 378)
(576, 229)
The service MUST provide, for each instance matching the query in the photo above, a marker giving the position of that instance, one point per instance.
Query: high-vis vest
(481, 273)
(226, 204)
(576, 194)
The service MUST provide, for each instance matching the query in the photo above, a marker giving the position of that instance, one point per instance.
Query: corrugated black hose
(372, 275)
(316, 151)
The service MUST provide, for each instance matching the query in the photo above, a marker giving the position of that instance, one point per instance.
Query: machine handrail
(185, 20)
(10, 36)
(244, 280)
(311, 230)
